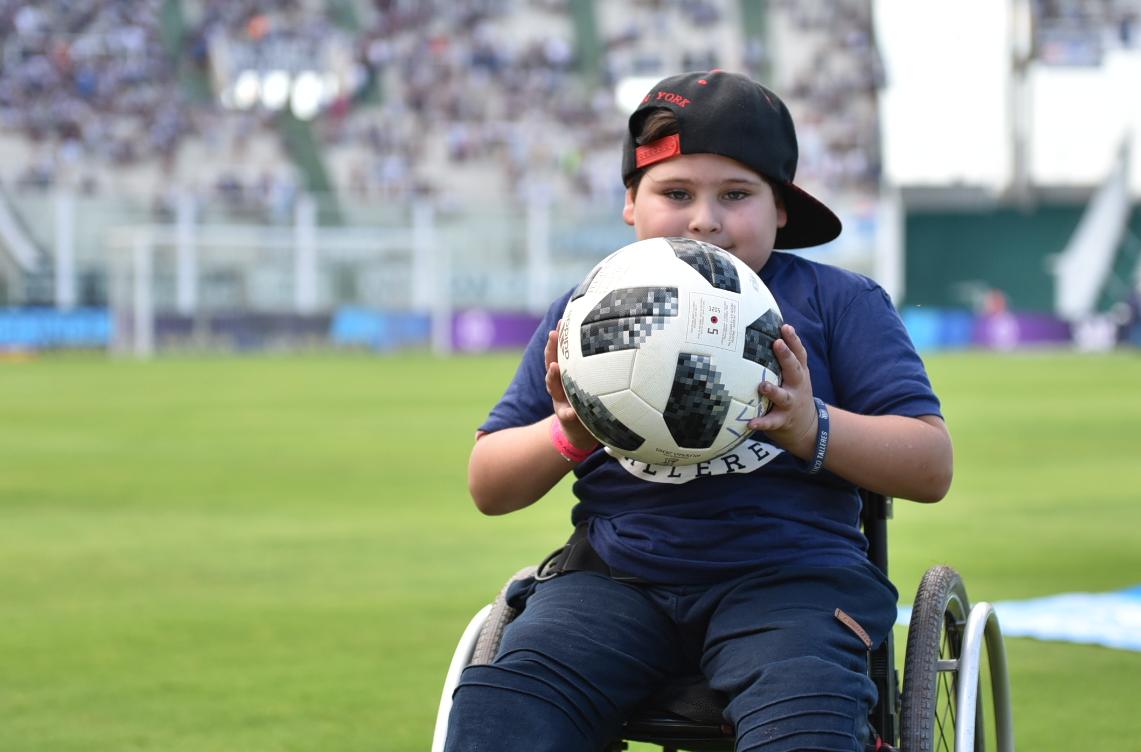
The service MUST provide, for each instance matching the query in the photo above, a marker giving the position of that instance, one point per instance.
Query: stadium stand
(494, 93)
(1079, 32)
(133, 110)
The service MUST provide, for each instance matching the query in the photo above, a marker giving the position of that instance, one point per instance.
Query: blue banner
(40, 328)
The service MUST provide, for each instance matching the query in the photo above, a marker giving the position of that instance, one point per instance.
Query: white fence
(195, 264)
(431, 262)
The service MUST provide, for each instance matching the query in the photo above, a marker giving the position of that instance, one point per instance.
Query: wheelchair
(940, 707)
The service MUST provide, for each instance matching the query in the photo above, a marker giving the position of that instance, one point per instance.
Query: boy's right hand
(564, 411)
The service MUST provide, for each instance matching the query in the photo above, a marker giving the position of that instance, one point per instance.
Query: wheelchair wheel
(931, 665)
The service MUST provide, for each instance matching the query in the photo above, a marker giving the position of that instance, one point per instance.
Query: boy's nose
(704, 220)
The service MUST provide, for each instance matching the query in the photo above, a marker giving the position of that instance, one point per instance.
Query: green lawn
(278, 553)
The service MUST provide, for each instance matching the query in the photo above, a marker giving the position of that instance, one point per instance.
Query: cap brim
(810, 222)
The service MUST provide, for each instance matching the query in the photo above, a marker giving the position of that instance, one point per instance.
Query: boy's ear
(782, 213)
(628, 209)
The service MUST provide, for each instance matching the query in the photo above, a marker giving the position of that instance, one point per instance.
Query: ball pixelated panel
(709, 261)
(698, 402)
(619, 334)
(634, 301)
(624, 319)
(759, 338)
(599, 420)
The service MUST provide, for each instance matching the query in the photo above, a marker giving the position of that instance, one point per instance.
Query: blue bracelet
(821, 437)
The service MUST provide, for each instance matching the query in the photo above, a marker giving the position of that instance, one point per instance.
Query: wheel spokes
(946, 694)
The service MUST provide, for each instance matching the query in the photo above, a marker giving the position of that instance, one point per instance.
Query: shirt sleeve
(526, 400)
(876, 368)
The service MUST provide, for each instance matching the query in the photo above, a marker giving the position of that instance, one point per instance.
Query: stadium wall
(956, 256)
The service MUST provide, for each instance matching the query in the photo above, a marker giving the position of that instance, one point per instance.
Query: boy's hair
(733, 116)
(655, 126)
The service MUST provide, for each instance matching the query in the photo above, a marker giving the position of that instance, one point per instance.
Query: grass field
(274, 553)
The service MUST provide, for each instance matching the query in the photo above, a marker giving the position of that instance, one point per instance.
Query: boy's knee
(801, 703)
(516, 708)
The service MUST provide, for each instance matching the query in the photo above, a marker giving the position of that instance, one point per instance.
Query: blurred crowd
(510, 94)
(438, 91)
(1080, 32)
(833, 92)
(461, 85)
(88, 81)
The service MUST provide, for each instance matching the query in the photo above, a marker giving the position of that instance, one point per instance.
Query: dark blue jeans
(788, 647)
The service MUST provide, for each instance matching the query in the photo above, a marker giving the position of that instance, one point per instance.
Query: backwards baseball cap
(733, 116)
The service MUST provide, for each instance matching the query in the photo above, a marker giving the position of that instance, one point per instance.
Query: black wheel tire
(490, 635)
(935, 633)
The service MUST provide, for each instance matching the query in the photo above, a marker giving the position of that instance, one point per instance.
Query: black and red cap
(733, 116)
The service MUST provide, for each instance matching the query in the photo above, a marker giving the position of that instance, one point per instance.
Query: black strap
(577, 555)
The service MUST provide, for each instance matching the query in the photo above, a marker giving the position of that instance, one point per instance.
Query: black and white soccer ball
(663, 347)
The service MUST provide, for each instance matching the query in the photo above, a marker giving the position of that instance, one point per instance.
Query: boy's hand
(564, 411)
(791, 420)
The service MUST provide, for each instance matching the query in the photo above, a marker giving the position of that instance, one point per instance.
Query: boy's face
(707, 197)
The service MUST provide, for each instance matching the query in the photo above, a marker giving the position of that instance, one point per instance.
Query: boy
(754, 574)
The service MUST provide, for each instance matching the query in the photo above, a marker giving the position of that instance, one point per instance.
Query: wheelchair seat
(685, 714)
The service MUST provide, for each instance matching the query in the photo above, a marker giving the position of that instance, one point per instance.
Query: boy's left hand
(791, 419)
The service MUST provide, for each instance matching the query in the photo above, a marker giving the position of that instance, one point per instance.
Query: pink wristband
(569, 451)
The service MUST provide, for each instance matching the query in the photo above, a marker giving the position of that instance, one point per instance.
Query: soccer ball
(663, 347)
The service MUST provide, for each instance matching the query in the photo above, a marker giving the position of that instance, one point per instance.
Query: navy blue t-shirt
(755, 507)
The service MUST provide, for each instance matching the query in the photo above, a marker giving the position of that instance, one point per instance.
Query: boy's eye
(676, 194)
(736, 195)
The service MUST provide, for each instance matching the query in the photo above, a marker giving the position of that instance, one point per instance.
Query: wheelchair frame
(938, 708)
